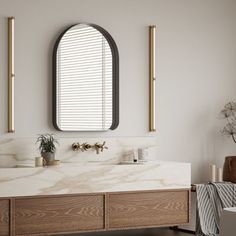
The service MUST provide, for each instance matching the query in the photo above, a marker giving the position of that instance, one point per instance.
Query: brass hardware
(85, 146)
(152, 78)
(76, 146)
(99, 146)
(11, 75)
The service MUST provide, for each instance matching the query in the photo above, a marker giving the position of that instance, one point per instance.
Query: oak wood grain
(148, 209)
(76, 213)
(66, 214)
(4, 217)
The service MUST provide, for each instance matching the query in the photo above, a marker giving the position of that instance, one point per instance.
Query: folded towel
(211, 199)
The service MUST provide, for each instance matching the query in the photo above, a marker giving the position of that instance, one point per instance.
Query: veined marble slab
(14, 151)
(93, 178)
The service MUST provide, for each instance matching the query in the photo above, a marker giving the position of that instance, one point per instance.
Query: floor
(143, 232)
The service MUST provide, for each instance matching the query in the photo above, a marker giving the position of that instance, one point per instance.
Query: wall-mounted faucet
(99, 147)
(85, 146)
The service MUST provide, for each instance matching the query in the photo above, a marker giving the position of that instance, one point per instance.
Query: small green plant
(229, 114)
(47, 143)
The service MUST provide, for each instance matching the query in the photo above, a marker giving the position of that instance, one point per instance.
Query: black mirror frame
(115, 76)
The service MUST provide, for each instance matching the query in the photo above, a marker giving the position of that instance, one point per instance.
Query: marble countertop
(72, 178)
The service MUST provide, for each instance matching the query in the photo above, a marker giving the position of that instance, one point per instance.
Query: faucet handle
(97, 146)
(86, 146)
(103, 146)
(76, 146)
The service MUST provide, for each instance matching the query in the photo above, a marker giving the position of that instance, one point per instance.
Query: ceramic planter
(229, 170)
(48, 156)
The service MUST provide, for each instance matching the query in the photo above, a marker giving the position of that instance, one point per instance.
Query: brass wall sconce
(85, 147)
(152, 78)
(11, 75)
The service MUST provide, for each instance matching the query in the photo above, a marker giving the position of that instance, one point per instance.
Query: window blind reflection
(84, 87)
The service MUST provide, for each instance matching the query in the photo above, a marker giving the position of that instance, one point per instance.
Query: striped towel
(211, 199)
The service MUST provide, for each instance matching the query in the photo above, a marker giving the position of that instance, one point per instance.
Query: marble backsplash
(14, 151)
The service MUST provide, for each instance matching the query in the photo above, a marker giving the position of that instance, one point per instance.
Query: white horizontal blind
(84, 80)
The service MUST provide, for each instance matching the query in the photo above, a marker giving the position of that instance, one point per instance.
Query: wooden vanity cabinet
(148, 209)
(50, 215)
(4, 217)
(66, 214)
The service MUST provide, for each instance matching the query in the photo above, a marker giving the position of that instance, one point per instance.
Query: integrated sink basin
(93, 177)
(75, 164)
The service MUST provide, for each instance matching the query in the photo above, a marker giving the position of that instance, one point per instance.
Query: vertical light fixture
(152, 78)
(11, 75)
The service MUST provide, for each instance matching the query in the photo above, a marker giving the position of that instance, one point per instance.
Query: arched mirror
(85, 80)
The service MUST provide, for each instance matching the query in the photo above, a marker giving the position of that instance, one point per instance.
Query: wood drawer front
(148, 209)
(4, 217)
(59, 214)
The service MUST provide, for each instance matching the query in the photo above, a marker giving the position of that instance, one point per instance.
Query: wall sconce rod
(11, 75)
(152, 78)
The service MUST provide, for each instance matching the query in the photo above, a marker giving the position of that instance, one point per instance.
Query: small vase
(229, 170)
(48, 156)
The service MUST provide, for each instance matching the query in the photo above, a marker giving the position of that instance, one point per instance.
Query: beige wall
(196, 69)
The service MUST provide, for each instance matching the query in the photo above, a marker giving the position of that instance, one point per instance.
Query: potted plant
(229, 114)
(47, 146)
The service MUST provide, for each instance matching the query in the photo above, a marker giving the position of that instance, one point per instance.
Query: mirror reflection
(84, 80)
